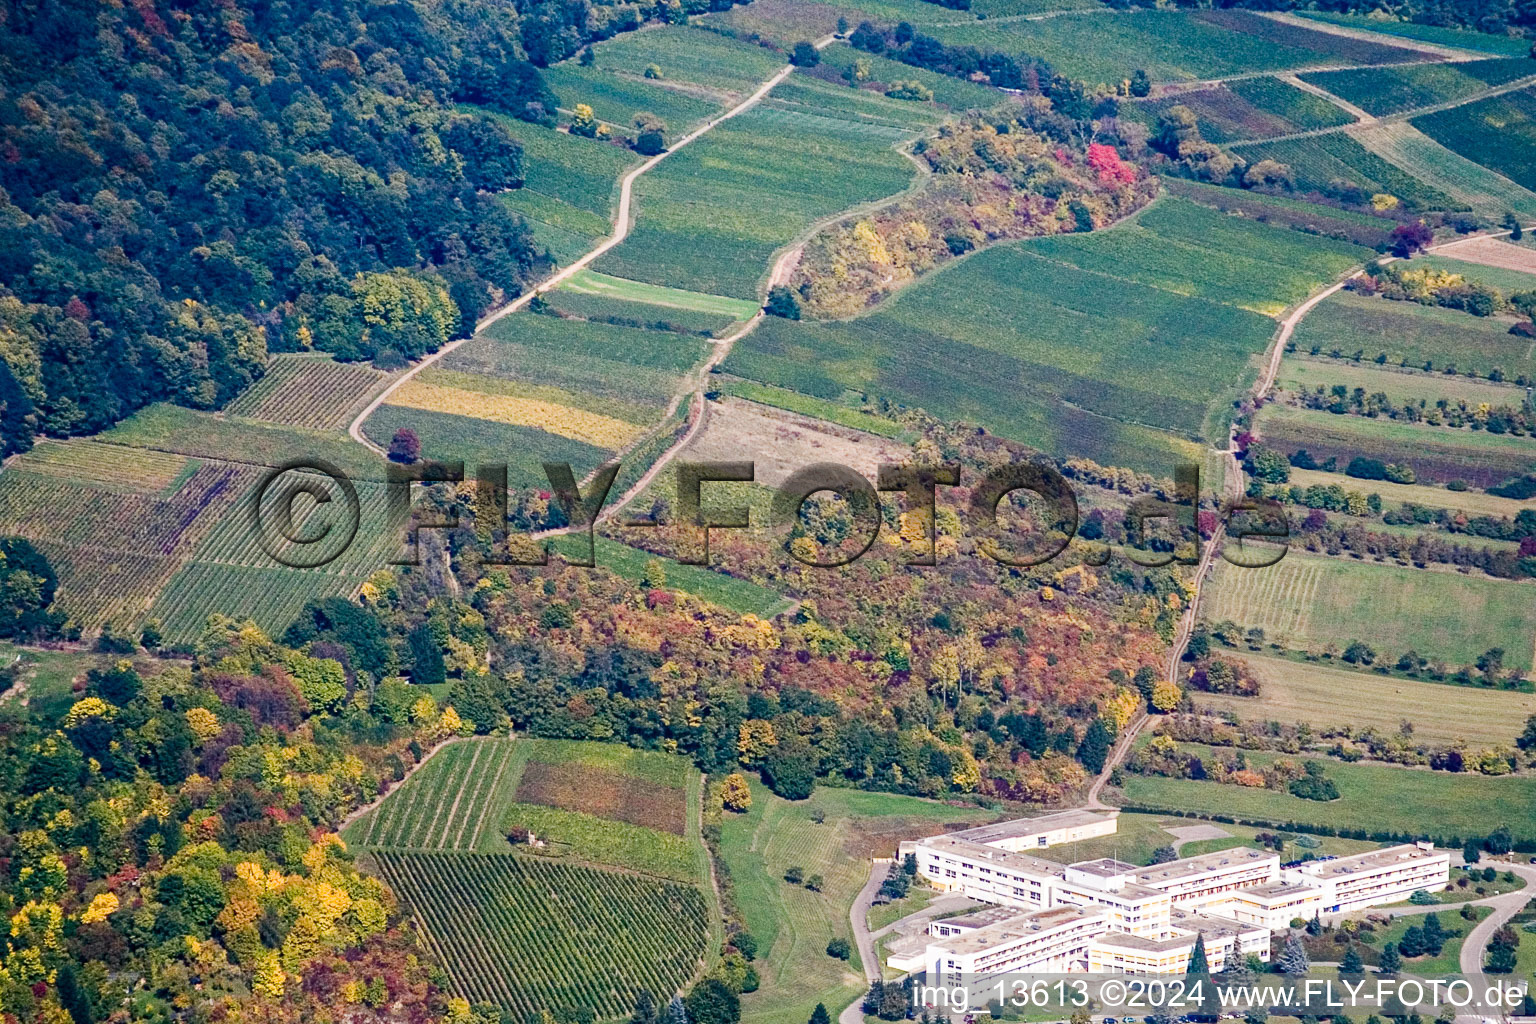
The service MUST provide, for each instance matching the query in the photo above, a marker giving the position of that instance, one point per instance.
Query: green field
(479, 442)
(1436, 454)
(1299, 107)
(616, 98)
(1187, 249)
(1324, 694)
(1371, 797)
(1406, 331)
(1307, 602)
(1319, 161)
(1509, 46)
(1278, 211)
(527, 934)
(1498, 132)
(955, 93)
(1395, 89)
(601, 360)
(792, 925)
(171, 428)
(1170, 45)
(689, 55)
(1115, 345)
(818, 408)
(712, 214)
(1468, 184)
(589, 282)
(742, 596)
(1304, 373)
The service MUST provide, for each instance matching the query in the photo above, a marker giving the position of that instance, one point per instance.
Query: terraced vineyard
(1499, 133)
(307, 391)
(453, 802)
(1319, 161)
(114, 546)
(1392, 90)
(1468, 184)
(527, 934)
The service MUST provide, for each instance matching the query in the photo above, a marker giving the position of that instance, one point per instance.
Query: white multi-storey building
(1371, 879)
(1107, 915)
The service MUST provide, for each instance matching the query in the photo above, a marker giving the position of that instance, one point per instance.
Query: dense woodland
(185, 187)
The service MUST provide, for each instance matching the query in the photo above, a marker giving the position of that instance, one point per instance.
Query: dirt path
(622, 224)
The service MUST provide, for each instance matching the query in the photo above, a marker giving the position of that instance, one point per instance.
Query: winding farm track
(622, 223)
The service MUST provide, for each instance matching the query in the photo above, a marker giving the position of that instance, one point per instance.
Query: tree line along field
(1391, 90)
(1328, 695)
(792, 924)
(1305, 603)
(1305, 373)
(1413, 334)
(1450, 806)
(1245, 109)
(1468, 184)
(1436, 454)
(528, 934)
(1121, 345)
(1473, 503)
(1498, 132)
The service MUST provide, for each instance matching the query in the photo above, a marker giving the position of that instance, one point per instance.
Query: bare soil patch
(577, 787)
(1492, 252)
(780, 442)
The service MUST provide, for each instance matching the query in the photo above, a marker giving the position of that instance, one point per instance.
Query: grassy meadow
(1306, 602)
(1327, 694)
(1371, 797)
(793, 925)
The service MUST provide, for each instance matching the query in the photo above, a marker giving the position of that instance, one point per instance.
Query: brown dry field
(780, 442)
(578, 787)
(1492, 252)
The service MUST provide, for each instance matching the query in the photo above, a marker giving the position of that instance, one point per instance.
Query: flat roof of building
(1104, 867)
(1368, 861)
(1212, 924)
(983, 918)
(1017, 828)
(1021, 925)
(1161, 874)
(1276, 890)
(991, 854)
(1125, 940)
